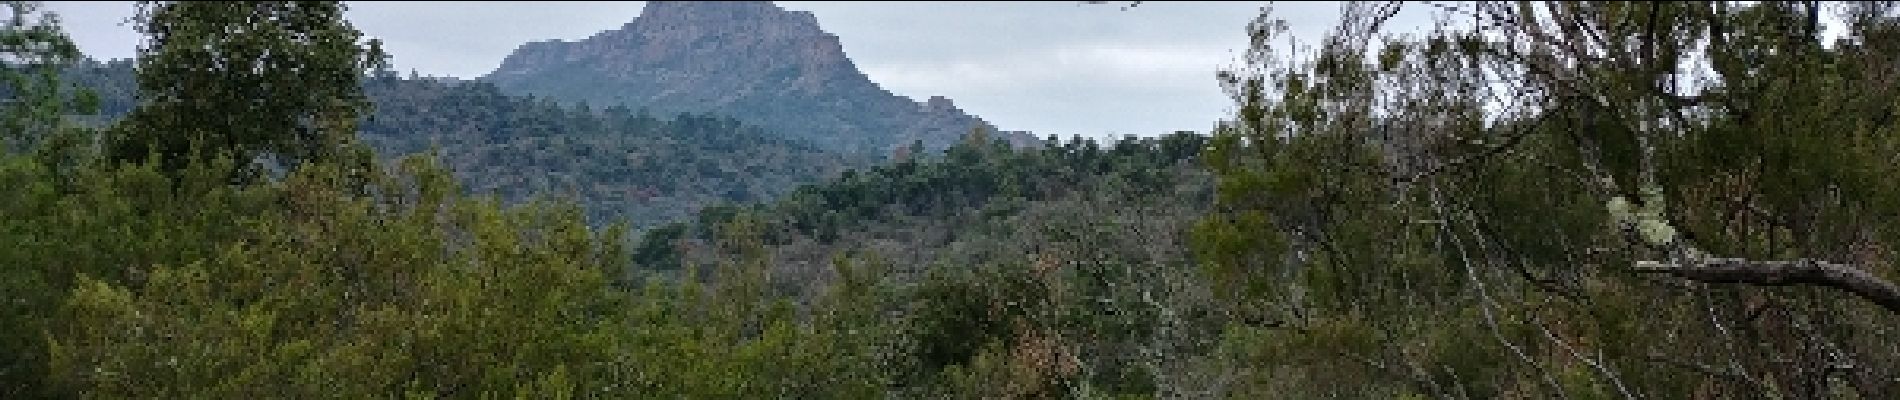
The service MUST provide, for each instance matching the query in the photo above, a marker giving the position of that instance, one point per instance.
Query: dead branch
(1696, 265)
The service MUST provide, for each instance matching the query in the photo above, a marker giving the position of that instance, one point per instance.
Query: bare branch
(1486, 304)
(1693, 264)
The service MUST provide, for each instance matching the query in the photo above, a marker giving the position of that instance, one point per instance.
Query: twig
(1486, 304)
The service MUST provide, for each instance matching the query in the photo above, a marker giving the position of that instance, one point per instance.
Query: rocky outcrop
(750, 60)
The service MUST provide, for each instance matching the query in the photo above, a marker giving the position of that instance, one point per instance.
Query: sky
(1061, 68)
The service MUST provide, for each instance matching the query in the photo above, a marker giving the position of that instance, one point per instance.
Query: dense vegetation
(617, 162)
(620, 164)
(1377, 221)
(1012, 273)
(1569, 199)
(336, 280)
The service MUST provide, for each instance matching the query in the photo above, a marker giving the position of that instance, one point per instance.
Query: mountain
(750, 60)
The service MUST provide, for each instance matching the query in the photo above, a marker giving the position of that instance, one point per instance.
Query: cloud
(100, 28)
(1091, 89)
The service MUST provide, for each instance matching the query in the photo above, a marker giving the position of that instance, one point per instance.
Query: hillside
(1079, 249)
(980, 192)
(615, 162)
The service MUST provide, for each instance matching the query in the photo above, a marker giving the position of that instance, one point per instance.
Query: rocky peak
(723, 14)
(749, 60)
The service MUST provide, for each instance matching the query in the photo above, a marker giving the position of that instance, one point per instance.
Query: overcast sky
(1059, 68)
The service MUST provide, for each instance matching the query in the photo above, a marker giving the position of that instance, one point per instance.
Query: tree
(303, 287)
(275, 79)
(1529, 177)
(36, 49)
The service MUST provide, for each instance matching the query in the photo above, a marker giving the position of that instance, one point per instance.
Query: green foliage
(143, 279)
(304, 288)
(156, 276)
(982, 173)
(1369, 226)
(1053, 272)
(276, 79)
(33, 123)
(1475, 229)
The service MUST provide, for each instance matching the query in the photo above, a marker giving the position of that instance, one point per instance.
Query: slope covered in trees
(976, 196)
(1057, 270)
(617, 163)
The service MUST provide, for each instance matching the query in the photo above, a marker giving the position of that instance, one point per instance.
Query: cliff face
(752, 61)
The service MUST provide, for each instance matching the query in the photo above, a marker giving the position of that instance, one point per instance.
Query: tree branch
(1652, 229)
(1695, 265)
